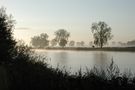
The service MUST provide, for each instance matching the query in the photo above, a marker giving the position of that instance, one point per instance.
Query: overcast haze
(76, 16)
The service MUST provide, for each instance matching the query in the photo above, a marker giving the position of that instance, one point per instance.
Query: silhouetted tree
(72, 43)
(101, 32)
(40, 41)
(62, 36)
(7, 43)
(53, 42)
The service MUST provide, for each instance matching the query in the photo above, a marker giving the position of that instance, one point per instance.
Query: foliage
(7, 43)
(72, 43)
(90, 43)
(78, 44)
(101, 32)
(62, 36)
(53, 42)
(62, 42)
(40, 41)
(131, 42)
(82, 43)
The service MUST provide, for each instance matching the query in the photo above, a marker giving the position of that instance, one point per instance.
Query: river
(72, 61)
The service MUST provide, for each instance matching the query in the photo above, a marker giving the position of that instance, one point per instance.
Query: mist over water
(74, 60)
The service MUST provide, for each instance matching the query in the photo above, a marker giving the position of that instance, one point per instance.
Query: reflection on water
(82, 59)
(62, 57)
(101, 59)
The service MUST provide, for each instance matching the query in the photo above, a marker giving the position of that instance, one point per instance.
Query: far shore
(120, 49)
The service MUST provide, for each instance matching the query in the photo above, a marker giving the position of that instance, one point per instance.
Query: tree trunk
(101, 45)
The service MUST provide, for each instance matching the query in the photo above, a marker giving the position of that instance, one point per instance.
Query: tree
(62, 36)
(101, 33)
(40, 41)
(72, 43)
(35, 41)
(113, 43)
(63, 42)
(53, 42)
(78, 44)
(7, 43)
(82, 43)
(90, 43)
(131, 43)
(44, 40)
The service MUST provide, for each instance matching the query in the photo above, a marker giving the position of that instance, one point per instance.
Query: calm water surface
(74, 60)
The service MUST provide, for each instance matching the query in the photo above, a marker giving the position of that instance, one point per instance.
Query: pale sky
(76, 16)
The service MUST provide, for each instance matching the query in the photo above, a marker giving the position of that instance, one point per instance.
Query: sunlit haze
(76, 16)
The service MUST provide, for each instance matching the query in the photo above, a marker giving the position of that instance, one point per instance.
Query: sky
(76, 16)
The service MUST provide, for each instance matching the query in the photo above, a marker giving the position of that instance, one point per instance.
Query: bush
(7, 43)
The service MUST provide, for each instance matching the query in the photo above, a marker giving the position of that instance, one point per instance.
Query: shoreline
(119, 49)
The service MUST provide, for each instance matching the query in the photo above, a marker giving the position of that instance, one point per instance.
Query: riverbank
(121, 49)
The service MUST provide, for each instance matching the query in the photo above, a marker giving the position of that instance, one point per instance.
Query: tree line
(101, 34)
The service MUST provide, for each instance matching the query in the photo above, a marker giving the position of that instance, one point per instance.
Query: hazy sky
(76, 16)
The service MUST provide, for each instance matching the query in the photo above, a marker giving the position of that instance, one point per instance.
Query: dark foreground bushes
(28, 72)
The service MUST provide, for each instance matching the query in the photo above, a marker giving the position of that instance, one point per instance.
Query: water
(74, 60)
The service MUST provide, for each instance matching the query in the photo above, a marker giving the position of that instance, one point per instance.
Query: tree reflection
(62, 58)
(101, 59)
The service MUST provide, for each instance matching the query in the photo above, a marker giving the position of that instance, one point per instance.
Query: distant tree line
(41, 41)
(131, 42)
(101, 34)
